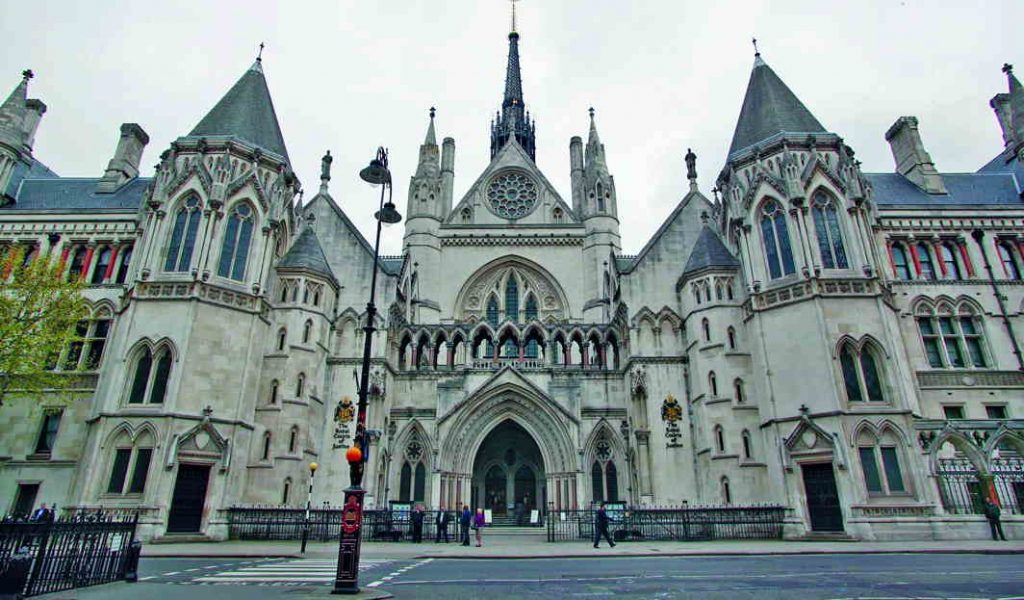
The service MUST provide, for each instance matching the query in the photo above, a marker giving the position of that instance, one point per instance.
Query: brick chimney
(124, 166)
(912, 160)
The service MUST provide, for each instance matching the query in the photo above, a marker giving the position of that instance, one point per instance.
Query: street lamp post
(346, 580)
(309, 500)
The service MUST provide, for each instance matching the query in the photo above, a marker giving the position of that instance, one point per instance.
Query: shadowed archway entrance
(508, 474)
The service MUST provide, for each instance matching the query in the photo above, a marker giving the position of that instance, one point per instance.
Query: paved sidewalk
(496, 546)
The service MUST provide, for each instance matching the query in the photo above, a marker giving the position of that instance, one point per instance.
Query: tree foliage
(39, 308)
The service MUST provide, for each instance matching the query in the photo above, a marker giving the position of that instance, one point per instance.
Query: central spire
(513, 121)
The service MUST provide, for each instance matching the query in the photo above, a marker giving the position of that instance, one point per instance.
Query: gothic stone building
(843, 343)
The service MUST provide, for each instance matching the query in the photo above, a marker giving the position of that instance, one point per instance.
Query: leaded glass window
(953, 342)
(774, 231)
(512, 195)
(924, 258)
(237, 237)
(900, 263)
(183, 237)
(826, 227)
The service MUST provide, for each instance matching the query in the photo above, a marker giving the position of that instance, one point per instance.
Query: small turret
(598, 184)
(425, 188)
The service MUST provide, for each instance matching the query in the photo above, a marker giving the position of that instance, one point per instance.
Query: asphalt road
(889, 577)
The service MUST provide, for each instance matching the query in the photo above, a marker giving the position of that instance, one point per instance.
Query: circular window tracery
(512, 195)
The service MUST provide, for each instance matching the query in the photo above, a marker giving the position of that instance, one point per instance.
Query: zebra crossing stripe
(294, 571)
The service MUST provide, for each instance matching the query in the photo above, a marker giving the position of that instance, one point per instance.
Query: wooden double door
(822, 497)
(189, 499)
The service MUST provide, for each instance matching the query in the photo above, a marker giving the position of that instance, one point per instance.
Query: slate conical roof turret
(246, 112)
(770, 108)
(709, 252)
(307, 254)
(12, 114)
(1016, 94)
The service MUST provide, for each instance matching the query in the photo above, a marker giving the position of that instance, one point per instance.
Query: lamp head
(388, 214)
(376, 173)
(313, 467)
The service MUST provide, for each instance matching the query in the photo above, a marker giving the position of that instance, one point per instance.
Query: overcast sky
(663, 76)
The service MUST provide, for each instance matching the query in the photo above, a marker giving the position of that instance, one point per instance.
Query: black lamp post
(346, 580)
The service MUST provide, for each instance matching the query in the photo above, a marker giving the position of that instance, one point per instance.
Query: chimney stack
(124, 166)
(912, 160)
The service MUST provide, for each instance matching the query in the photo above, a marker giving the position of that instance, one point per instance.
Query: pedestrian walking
(479, 522)
(992, 513)
(441, 524)
(464, 523)
(417, 524)
(601, 527)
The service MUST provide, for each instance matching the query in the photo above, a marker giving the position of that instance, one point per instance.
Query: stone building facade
(842, 343)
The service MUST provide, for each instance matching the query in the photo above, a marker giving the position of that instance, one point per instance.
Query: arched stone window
(696, 294)
(949, 260)
(300, 385)
(737, 387)
(183, 236)
(718, 291)
(952, 341)
(512, 299)
(719, 439)
(307, 330)
(775, 235)
(726, 491)
(748, 450)
(1008, 256)
(405, 483)
(862, 376)
(731, 336)
(287, 490)
(705, 326)
(293, 439)
(712, 384)
(76, 265)
(149, 385)
(597, 482)
(924, 259)
(129, 467)
(827, 230)
(266, 446)
(274, 387)
(124, 260)
(101, 265)
(85, 350)
(880, 463)
(282, 338)
(419, 484)
(234, 251)
(900, 262)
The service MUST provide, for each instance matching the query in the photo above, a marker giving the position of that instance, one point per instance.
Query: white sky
(663, 76)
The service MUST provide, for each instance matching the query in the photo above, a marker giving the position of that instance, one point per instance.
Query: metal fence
(961, 490)
(284, 523)
(684, 523)
(86, 549)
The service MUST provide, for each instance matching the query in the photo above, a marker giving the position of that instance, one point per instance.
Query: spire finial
(1007, 68)
(756, 51)
(27, 74)
(259, 55)
(432, 111)
(591, 111)
(513, 2)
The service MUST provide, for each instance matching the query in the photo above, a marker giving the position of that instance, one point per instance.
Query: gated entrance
(822, 497)
(189, 497)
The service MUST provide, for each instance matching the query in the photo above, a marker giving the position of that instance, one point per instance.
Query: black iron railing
(38, 557)
(962, 492)
(285, 523)
(684, 523)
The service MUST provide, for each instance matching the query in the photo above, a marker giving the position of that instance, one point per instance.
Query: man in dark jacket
(464, 520)
(601, 527)
(992, 513)
(417, 524)
(441, 523)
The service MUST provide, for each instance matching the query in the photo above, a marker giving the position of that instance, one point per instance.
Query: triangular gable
(506, 378)
(692, 204)
(348, 227)
(511, 156)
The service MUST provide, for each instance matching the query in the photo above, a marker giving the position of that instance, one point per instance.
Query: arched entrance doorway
(508, 473)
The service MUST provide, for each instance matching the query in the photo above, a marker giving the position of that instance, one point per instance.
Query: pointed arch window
(748, 452)
(880, 463)
(512, 299)
(266, 446)
(775, 234)
(726, 491)
(530, 315)
(924, 258)
(287, 490)
(1008, 258)
(827, 230)
(307, 331)
(706, 328)
(492, 320)
(719, 439)
(275, 386)
(183, 236)
(293, 439)
(419, 483)
(737, 387)
(953, 342)
(900, 262)
(712, 384)
(130, 465)
(862, 378)
(597, 482)
(234, 251)
(731, 335)
(77, 264)
(405, 483)
(282, 338)
(99, 271)
(300, 385)
(949, 261)
(149, 385)
(124, 261)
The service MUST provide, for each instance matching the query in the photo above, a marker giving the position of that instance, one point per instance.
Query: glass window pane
(597, 482)
(141, 470)
(405, 484)
(924, 257)
(125, 261)
(870, 467)
(770, 249)
(48, 433)
(946, 326)
(931, 348)
(242, 253)
(612, 475)
(872, 382)
(190, 241)
(784, 250)
(177, 233)
(119, 470)
(419, 489)
(821, 232)
(163, 370)
(893, 475)
(512, 299)
(899, 259)
(837, 237)
(850, 375)
(926, 326)
(141, 378)
(974, 349)
(227, 248)
(99, 272)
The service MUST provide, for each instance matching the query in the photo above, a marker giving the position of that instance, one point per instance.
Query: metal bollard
(13, 580)
(131, 561)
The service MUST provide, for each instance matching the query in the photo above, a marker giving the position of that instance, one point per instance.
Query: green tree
(39, 308)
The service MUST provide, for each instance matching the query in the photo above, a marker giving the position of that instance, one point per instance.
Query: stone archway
(505, 404)
(508, 472)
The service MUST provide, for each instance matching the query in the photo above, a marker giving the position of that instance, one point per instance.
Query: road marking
(147, 578)
(289, 572)
(172, 573)
(389, 577)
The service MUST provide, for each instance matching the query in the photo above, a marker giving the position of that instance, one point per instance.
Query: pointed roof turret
(307, 254)
(513, 121)
(595, 149)
(1016, 102)
(13, 112)
(246, 112)
(431, 139)
(430, 154)
(709, 252)
(770, 108)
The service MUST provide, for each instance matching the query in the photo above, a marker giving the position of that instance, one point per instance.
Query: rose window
(512, 195)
